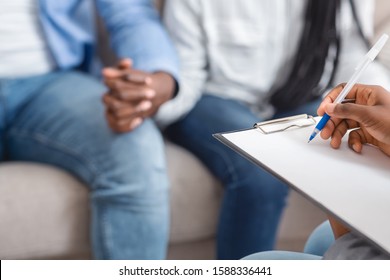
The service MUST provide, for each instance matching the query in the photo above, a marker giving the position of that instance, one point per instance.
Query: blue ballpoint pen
(368, 58)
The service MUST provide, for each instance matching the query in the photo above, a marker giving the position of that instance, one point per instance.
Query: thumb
(125, 63)
(347, 111)
(112, 73)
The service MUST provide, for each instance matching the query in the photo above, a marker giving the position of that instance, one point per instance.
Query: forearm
(137, 33)
(164, 85)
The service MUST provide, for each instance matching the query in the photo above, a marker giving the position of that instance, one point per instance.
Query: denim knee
(320, 239)
(133, 167)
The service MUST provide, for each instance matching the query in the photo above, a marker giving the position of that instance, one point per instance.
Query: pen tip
(311, 137)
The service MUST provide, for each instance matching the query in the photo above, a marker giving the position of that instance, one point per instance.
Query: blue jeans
(317, 244)
(58, 119)
(253, 199)
(319, 240)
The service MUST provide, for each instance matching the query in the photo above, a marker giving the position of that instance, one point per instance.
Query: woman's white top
(243, 50)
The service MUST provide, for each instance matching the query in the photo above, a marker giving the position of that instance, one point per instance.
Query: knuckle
(122, 112)
(119, 113)
(378, 88)
(124, 95)
(344, 108)
(116, 84)
(116, 113)
(106, 98)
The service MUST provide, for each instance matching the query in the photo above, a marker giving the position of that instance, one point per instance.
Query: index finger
(330, 98)
(138, 78)
(331, 125)
(128, 75)
(129, 92)
(125, 63)
(356, 92)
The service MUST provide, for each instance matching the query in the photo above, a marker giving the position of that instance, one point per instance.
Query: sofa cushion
(195, 197)
(44, 211)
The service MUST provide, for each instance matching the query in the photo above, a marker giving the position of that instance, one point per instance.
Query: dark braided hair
(320, 39)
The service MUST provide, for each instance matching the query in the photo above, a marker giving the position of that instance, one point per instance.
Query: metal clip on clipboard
(283, 124)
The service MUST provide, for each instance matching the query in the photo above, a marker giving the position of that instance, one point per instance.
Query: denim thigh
(195, 132)
(64, 125)
(253, 199)
(2, 121)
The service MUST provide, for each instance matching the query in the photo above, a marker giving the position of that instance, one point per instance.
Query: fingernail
(108, 70)
(135, 123)
(126, 60)
(104, 71)
(146, 105)
(355, 147)
(150, 93)
(148, 80)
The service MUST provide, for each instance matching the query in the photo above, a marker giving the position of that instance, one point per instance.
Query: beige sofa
(44, 211)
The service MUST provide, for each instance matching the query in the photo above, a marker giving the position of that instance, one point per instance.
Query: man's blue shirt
(133, 25)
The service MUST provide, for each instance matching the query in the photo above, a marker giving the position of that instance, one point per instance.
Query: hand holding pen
(368, 58)
(368, 117)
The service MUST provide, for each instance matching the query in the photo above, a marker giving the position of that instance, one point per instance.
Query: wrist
(164, 85)
(338, 228)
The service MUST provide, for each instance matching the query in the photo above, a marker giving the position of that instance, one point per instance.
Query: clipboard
(353, 187)
(279, 125)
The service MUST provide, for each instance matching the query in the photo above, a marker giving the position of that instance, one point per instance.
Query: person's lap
(253, 199)
(281, 255)
(322, 237)
(320, 240)
(62, 123)
(316, 245)
(309, 108)
(213, 115)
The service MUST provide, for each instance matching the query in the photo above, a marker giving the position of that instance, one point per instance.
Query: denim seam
(62, 148)
(227, 160)
(106, 230)
(3, 105)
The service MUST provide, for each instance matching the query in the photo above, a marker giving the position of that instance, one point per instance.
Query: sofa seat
(44, 212)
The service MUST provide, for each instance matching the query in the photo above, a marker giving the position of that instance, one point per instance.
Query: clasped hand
(133, 95)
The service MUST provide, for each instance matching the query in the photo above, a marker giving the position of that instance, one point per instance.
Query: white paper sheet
(354, 187)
